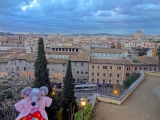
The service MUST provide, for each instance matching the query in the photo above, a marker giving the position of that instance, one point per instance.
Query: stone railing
(152, 73)
(126, 93)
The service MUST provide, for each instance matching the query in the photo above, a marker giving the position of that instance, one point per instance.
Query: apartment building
(107, 70)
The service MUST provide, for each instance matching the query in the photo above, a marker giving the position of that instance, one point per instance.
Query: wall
(98, 68)
(152, 73)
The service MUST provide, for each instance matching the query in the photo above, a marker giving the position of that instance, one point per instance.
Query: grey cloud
(81, 15)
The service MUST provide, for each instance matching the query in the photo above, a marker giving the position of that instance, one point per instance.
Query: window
(98, 67)
(92, 80)
(24, 68)
(77, 72)
(69, 49)
(140, 68)
(118, 68)
(104, 67)
(144, 68)
(92, 74)
(77, 79)
(117, 75)
(6, 69)
(110, 67)
(12, 68)
(92, 66)
(17, 68)
(135, 68)
(76, 50)
(128, 68)
(81, 64)
(155, 69)
(63, 71)
(110, 75)
(104, 74)
(86, 72)
(81, 72)
(150, 69)
(63, 64)
(97, 74)
(28, 67)
(62, 49)
(52, 69)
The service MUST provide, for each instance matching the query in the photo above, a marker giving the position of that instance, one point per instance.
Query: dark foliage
(68, 98)
(130, 79)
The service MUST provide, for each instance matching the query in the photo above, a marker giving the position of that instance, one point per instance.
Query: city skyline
(80, 16)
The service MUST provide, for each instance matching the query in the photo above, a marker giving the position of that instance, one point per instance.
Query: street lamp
(83, 104)
(116, 92)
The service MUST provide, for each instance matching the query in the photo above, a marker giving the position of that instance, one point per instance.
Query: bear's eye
(35, 90)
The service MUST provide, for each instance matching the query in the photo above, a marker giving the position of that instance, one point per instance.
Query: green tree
(42, 79)
(158, 54)
(41, 72)
(130, 79)
(69, 105)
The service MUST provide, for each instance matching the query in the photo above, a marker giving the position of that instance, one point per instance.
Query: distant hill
(8, 34)
(98, 34)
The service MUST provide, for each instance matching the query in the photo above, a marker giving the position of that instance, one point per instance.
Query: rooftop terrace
(142, 104)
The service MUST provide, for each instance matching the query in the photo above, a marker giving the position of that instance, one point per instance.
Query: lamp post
(83, 104)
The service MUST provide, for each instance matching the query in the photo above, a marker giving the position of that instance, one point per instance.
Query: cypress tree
(69, 105)
(42, 79)
(41, 72)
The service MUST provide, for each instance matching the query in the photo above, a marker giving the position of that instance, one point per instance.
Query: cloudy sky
(80, 16)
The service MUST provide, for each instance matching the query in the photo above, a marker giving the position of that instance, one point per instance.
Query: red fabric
(35, 116)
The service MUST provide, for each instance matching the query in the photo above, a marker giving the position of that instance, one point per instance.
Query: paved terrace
(142, 104)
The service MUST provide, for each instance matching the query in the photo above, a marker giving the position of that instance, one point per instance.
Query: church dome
(138, 32)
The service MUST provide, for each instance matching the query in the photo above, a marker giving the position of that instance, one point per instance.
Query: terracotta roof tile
(147, 60)
(112, 61)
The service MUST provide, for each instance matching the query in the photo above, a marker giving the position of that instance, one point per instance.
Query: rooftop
(85, 56)
(147, 60)
(112, 61)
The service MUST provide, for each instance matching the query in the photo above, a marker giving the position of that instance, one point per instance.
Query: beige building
(107, 71)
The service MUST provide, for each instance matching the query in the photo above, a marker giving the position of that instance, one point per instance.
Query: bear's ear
(26, 90)
(44, 90)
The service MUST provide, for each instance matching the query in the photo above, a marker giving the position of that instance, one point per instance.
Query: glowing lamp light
(115, 91)
(83, 101)
(53, 93)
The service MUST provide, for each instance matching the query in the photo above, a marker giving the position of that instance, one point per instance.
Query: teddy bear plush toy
(32, 107)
